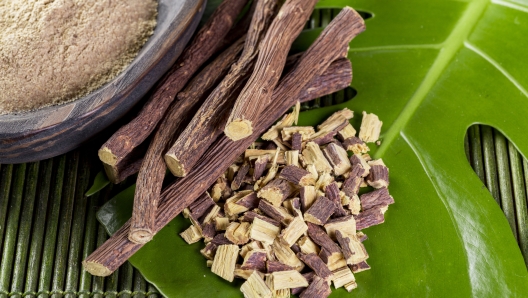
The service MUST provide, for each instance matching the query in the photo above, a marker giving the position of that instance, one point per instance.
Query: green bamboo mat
(48, 226)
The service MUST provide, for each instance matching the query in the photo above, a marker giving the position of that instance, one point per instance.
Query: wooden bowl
(51, 131)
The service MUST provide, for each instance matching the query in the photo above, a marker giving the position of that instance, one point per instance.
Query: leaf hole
(321, 17)
(335, 98)
(503, 171)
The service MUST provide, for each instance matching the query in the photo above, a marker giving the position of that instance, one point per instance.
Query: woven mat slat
(503, 171)
(47, 227)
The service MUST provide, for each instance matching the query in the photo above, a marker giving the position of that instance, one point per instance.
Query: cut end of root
(140, 236)
(107, 157)
(111, 173)
(96, 269)
(238, 129)
(175, 166)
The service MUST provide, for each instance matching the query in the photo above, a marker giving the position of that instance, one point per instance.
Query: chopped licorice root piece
(362, 266)
(332, 193)
(312, 154)
(260, 166)
(347, 132)
(297, 142)
(292, 158)
(329, 249)
(276, 191)
(221, 223)
(255, 287)
(379, 174)
(338, 157)
(274, 266)
(346, 225)
(361, 236)
(263, 231)
(360, 167)
(255, 260)
(243, 273)
(274, 131)
(379, 197)
(293, 206)
(252, 153)
(373, 216)
(287, 280)
(351, 185)
(307, 246)
(282, 293)
(238, 233)
(250, 216)
(285, 255)
(239, 178)
(209, 251)
(304, 131)
(309, 277)
(295, 229)
(308, 195)
(278, 213)
(220, 239)
(320, 211)
(220, 189)
(336, 118)
(370, 128)
(353, 250)
(324, 179)
(191, 235)
(212, 214)
(318, 266)
(237, 204)
(208, 231)
(224, 261)
(318, 288)
(332, 260)
(356, 145)
(343, 276)
(297, 176)
(351, 286)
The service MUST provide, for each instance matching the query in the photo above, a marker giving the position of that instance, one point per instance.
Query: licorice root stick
(115, 151)
(332, 80)
(210, 118)
(185, 154)
(183, 192)
(273, 52)
(152, 171)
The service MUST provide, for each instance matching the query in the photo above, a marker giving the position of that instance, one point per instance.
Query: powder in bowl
(55, 51)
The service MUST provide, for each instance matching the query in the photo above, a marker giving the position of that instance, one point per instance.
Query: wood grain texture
(183, 192)
(152, 171)
(54, 130)
(273, 52)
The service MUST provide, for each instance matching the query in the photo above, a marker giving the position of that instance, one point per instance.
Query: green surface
(430, 70)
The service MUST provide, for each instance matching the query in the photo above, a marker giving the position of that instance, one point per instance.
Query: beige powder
(52, 51)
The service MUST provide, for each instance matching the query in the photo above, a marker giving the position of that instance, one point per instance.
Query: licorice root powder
(54, 51)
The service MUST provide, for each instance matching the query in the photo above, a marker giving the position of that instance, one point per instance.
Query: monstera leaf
(429, 69)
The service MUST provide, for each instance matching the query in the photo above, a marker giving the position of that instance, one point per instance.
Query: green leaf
(429, 69)
(100, 182)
